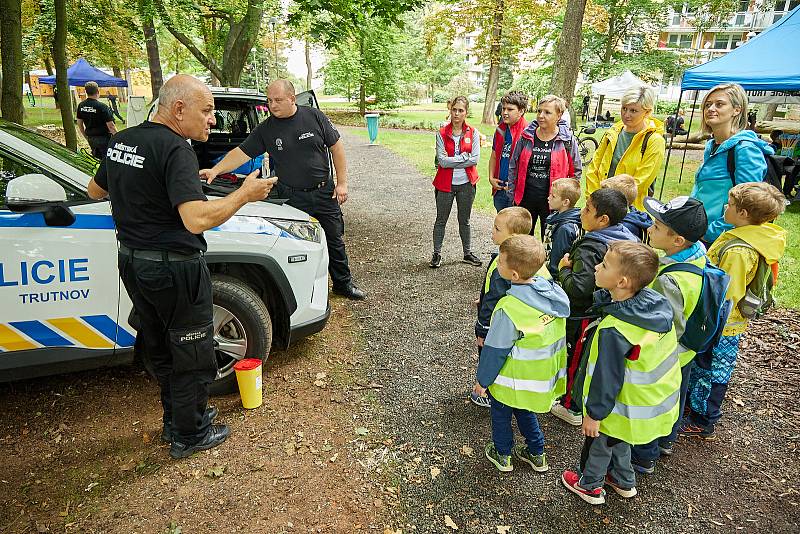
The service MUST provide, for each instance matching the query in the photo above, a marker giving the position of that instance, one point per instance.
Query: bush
(440, 97)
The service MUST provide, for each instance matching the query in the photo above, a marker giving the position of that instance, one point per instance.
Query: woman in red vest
(457, 155)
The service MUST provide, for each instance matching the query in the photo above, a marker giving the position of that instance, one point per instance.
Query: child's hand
(476, 302)
(479, 341)
(565, 262)
(590, 428)
(479, 390)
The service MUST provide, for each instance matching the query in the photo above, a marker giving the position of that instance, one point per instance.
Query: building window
(739, 20)
(467, 41)
(722, 41)
(676, 20)
(679, 40)
(744, 5)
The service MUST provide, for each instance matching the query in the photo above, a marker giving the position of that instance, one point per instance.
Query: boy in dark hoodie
(523, 361)
(564, 225)
(633, 375)
(636, 221)
(600, 220)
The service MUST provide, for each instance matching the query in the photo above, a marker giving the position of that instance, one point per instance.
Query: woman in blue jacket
(725, 118)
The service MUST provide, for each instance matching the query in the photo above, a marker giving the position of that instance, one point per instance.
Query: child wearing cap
(751, 208)
(677, 229)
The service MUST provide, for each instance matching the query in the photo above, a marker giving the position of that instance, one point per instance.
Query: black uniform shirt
(297, 144)
(148, 172)
(95, 115)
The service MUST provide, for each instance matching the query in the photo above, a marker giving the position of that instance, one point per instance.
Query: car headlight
(305, 230)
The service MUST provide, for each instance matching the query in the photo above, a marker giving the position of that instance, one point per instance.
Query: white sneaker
(567, 415)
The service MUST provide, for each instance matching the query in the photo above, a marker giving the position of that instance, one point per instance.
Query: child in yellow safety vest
(524, 356)
(633, 374)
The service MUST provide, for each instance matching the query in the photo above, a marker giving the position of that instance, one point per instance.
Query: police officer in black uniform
(95, 121)
(297, 139)
(151, 177)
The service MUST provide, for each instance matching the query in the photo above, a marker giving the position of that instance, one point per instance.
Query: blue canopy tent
(81, 72)
(768, 62)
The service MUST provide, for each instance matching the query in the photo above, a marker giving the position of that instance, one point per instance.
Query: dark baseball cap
(685, 216)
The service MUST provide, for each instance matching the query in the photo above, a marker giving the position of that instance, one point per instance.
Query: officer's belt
(308, 189)
(158, 255)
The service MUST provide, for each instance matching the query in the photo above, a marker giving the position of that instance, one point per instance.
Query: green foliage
(535, 83)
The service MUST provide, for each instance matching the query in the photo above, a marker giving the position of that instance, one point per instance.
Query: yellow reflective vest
(647, 405)
(535, 371)
(690, 285)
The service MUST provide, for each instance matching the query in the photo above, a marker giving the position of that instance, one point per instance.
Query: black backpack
(774, 167)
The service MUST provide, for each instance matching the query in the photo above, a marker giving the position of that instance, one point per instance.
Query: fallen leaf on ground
(503, 529)
(362, 431)
(215, 471)
(466, 450)
(146, 438)
(450, 523)
(435, 471)
(320, 376)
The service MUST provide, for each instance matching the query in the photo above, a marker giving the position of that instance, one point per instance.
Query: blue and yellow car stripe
(87, 331)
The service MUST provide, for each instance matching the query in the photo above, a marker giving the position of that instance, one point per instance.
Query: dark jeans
(539, 210)
(173, 301)
(99, 145)
(321, 205)
(501, 200)
(502, 433)
(650, 450)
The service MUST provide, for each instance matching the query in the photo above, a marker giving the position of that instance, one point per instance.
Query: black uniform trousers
(173, 300)
(99, 145)
(320, 205)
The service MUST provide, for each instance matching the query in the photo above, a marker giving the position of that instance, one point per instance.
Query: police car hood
(272, 211)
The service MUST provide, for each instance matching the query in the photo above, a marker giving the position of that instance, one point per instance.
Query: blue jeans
(650, 450)
(503, 435)
(502, 200)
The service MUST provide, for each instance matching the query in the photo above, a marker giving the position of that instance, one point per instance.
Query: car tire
(242, 325)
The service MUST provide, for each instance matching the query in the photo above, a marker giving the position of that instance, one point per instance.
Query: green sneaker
(501, 461)
(537, 461)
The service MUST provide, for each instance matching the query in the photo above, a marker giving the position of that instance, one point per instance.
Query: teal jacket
(712, 181)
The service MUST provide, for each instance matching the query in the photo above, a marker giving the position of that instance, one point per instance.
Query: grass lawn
(46, 113)
(418, 148)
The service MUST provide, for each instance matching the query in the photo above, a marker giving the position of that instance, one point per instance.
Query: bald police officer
(297, 139)
(160, 212)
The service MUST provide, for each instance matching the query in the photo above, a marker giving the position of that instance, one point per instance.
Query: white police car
(63, 307)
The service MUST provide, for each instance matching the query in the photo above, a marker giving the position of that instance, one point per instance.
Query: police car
(63, 307)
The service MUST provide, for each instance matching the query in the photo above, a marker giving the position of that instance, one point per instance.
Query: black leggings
(539, 211)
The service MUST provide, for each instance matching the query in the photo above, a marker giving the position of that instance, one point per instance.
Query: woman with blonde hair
(546, 151)
(732, 148)
(634, 145)
(458, 151)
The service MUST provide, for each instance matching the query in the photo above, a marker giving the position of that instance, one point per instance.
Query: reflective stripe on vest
(534, 373)
(648, 403)
(690, 285)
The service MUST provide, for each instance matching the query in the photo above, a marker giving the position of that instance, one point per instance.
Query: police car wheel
(242, 329)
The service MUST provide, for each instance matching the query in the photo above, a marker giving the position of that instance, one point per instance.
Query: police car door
(59, 285)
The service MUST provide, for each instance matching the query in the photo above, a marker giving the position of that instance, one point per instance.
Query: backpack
(707, 321)
(758, 295)
(773, 176)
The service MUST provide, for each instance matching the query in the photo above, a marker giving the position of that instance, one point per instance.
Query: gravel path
(417, 328)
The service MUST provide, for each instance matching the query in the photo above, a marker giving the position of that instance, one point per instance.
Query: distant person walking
(634, 145)
(95, 121)
(112, 101)
(457, 154)
(585, 107)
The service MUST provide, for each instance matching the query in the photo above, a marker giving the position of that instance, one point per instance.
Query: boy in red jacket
(508, 132)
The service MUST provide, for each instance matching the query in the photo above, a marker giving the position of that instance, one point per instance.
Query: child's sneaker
(567, 415)
(689, 430)
(537, 461)
(622, 492)
(501, 461)
(570, 480)
(643, 466)
(665, 448)
(483, 402)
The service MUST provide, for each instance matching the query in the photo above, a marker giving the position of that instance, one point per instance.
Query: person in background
(585, 107)
(95, 121)
(636, 221)
(505, 139)
(775, 140)
(457, 155)
(634, 145)
(112, 100)
(547, 150)
(725, 118)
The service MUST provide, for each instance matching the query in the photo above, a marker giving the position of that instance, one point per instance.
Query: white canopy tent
(615, 87)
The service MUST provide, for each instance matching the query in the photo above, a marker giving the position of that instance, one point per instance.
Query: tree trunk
(11, 54)
(494, 63)
(769, 114)
(153, 56)
(60, 60)
(567, 61)
(47, 65)
(122, 91)
(362, 89)
(309, 72)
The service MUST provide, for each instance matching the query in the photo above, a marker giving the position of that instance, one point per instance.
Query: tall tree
(62, 84)
(151, 44)
(222, 22)
(494, 63)
(11, 55)
(566, 63)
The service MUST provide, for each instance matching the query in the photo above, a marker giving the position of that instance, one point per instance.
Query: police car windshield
(85, 164)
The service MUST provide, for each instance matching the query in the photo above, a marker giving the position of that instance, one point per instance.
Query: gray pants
(464, 196)
(602, 455)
